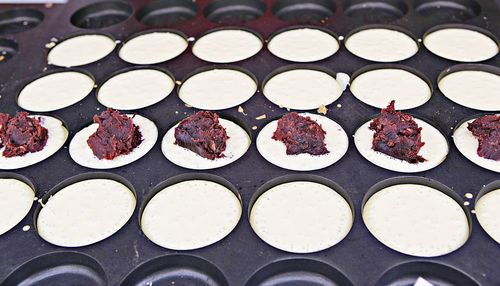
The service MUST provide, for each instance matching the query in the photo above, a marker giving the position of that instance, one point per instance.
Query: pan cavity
(378, 11)
(101, 14)
(299, 271)
(382, 43)
(135, 88)
(105, 199)
(434, 273)
(153, 47)
(19, 20)
(473, 86)
(303, 88)
(303, 44)
(167, 12)
(59, 268)
(8, 49)
(234, 11)
(176, 269)
(301, 214)
(227, 45)
(216, 89)
(377, 85)
(79, 50)
(416, 216)
(16, 197)
(55, 90)
(461, 43)
(487, 211)
(448, 10)
(191, 211)
(300, 11)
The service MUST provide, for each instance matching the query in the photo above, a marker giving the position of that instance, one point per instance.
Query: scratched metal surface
(359, 256)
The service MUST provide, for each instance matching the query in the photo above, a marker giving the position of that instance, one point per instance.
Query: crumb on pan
(254, 127)
(241, 110)
(322, 109)
(263, 116)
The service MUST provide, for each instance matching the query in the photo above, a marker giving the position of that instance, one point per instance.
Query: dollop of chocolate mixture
(202, 134)
(486, 129)
(21, 134)
(116, 135)
(397, 135)
(300, 134)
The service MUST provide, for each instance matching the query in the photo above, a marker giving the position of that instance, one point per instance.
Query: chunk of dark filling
(116, 135)
(21, 134)
(486, 129)
(202, 134)
(397, 135)
(300, 134)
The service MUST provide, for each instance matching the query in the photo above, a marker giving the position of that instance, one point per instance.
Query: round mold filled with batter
(236, 146)
(57, 134)
(55, 90)
(303, 44)
(81, 49)
(487, 211)
(274, 151)
(378, 84)
(135, 88)
(468, 145)
(461, 43)
(472, 85)
(153, 47)
(227, 45)
(416, 216)
(301, 213)
(17, 194)
(83, 155)
(85, 209)
(190, 211)
(302, 87)
(220, 88)
(382, 43)
(434, 151)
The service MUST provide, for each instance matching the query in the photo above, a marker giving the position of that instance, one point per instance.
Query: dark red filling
(116, 135)
(21, 134)
(397, 135)
(300, 134)
(202, 134)
(486, 129)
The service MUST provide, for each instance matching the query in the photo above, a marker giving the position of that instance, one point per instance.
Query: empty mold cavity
(434, 273)
(167, 12)
(376, 11)
(309, 11)
(298, 271)
(8, 48)
(19, 20)
(234, 11)
(176, 270)
(447, 10)
(101, 14)
(58, 268)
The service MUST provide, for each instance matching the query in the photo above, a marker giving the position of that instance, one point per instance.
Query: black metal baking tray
(241, 257)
